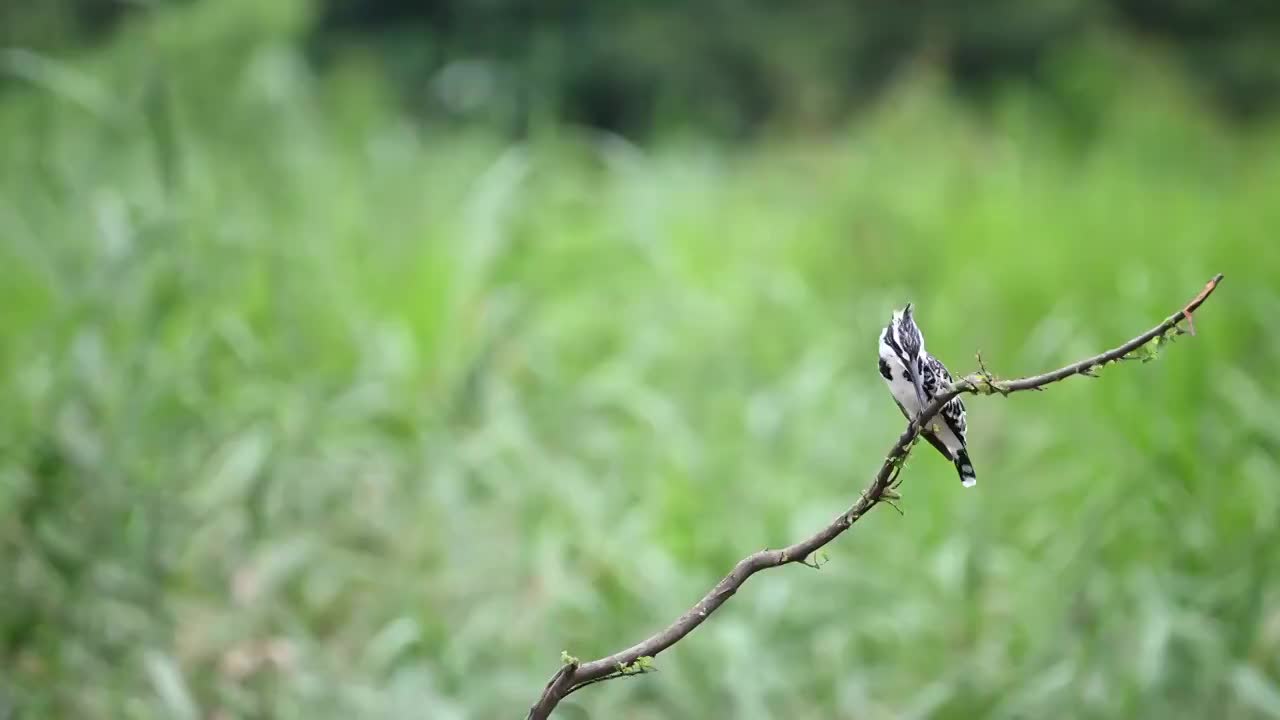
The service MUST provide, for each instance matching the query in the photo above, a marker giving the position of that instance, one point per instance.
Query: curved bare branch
(573, 676)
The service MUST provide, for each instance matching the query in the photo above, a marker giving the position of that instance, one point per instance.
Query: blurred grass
(314, 412)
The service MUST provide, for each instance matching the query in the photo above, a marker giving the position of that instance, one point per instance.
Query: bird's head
(907, 333)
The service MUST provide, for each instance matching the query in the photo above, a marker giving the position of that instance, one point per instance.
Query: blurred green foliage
(642, 67)
(313, 410)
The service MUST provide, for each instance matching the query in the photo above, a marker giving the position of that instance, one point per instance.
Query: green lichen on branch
(985, 382)
(816, 560)
(1151, 349)
(643, 664)
(984, 386)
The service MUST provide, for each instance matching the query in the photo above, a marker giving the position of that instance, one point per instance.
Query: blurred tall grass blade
(163, 126)
(59, 79)
(1256, 691)
(493, 200)
(168, 683)
(392, 642)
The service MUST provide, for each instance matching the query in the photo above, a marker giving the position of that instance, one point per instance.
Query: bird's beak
(915, 377)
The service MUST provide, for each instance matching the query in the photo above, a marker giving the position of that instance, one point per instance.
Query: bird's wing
(937, 378)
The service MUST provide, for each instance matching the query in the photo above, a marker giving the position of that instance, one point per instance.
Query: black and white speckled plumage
(936, 379)
(902, 355)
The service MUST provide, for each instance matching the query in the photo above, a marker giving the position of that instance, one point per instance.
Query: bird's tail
(967, 477)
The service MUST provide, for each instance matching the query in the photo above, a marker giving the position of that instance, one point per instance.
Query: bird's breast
(899, 380)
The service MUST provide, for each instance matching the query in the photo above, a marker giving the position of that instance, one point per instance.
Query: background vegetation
(322, 402)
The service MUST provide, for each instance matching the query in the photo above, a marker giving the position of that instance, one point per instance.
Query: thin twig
(892, 502)
(571, 677)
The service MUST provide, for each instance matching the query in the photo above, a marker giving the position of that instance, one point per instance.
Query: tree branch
(573, 676)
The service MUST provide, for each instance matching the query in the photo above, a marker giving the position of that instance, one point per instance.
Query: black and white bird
(915, 377)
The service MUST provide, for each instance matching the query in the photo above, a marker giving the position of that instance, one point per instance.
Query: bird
(915, 377)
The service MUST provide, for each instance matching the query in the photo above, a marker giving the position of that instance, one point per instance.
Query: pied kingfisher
(915, 377)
